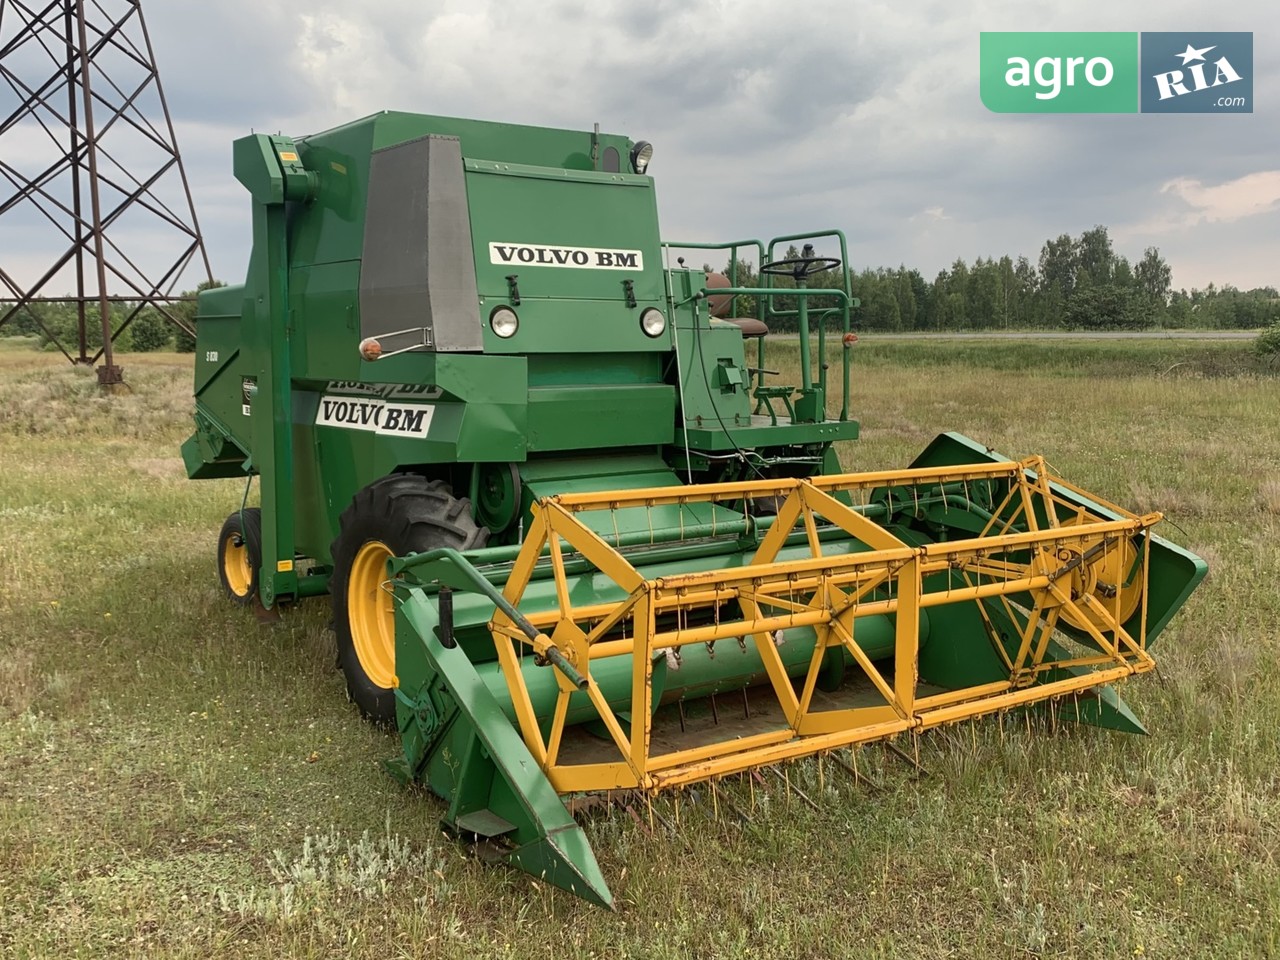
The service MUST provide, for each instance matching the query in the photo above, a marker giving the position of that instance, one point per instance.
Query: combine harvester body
(578, 537)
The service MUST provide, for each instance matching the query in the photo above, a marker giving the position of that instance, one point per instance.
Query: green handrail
(852, 302)
(765, 294)
(445, 560)
(733, 246)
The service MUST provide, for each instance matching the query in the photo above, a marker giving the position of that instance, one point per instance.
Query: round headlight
(641, 154)
(653, 323)
(504, 322)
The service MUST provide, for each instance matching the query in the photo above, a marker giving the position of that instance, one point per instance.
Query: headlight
(504, 322)
(653, 323)
(641, 154)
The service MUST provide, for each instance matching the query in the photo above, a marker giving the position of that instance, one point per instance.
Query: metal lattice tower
(96, 208)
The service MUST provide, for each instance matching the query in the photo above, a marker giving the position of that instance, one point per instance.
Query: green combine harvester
(579, 538)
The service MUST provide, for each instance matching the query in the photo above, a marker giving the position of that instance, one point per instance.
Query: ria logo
(1197, 73)
(1171, 84)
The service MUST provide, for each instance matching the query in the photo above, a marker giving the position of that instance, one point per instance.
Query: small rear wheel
(391, 517)
(240, 554)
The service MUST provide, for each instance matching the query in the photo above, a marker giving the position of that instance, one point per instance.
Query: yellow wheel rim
(235, 565)
(1112, 581)
(371, 615)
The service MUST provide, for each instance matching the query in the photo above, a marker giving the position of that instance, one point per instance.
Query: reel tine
(901, 754)
(791, 788)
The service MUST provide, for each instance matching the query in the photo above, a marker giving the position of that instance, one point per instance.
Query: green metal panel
(324, 299)
(761, 433)
(221, 443)
(581, 418)
(333, 229)
(581, 249)
(707, 354)
(502, 780)
(567, 237)
(264, 336)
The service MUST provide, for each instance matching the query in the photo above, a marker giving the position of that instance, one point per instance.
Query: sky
(863, 116)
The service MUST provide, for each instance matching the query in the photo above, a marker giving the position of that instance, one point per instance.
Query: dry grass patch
(19, 682)
(1269, 494)
(156, 799)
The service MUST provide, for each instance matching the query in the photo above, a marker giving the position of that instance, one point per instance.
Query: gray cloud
(765, 121)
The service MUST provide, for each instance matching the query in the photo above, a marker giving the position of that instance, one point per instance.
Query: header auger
(556, 509)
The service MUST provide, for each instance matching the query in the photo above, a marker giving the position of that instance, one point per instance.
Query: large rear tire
(240, 555)
(391, 517)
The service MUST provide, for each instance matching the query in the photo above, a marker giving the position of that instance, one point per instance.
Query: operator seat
(721, 304)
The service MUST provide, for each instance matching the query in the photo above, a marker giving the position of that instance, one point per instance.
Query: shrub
(151, 331)
(1268, 342)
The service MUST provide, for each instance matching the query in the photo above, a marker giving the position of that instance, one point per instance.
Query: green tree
(1026, 297)
(1095, 259)
(953, 310)
(904, 292)
(1180, 312)
(1153, 276)
(1107, 308)
(922, 293)
(983, 296)
(61, 322)
(879, 309)
(1059, 260)
(1122, 273)
(21, 324)
(151, 331)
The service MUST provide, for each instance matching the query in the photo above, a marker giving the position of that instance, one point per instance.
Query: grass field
(177, 779)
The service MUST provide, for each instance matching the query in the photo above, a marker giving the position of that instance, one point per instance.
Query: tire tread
(409, 514)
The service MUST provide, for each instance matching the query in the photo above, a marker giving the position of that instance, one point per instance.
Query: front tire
(397, 515)
(240, 555)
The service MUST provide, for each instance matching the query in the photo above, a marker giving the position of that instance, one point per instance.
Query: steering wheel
(799, 267)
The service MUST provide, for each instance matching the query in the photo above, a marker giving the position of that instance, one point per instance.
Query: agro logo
(1057, 72)
(581, 258)
(376, 416)
(1174, 83)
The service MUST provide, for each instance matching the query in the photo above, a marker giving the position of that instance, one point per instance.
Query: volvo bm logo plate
(579, 258)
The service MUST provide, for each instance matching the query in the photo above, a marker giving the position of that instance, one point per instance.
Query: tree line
(1077, 283)
(149, 330)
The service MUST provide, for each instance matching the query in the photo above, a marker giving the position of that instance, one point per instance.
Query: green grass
(177, 779)
(1079, 358)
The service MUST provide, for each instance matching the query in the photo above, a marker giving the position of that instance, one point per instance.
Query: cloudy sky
(859, 115)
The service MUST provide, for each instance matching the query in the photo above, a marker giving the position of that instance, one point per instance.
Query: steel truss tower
(96, 211)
